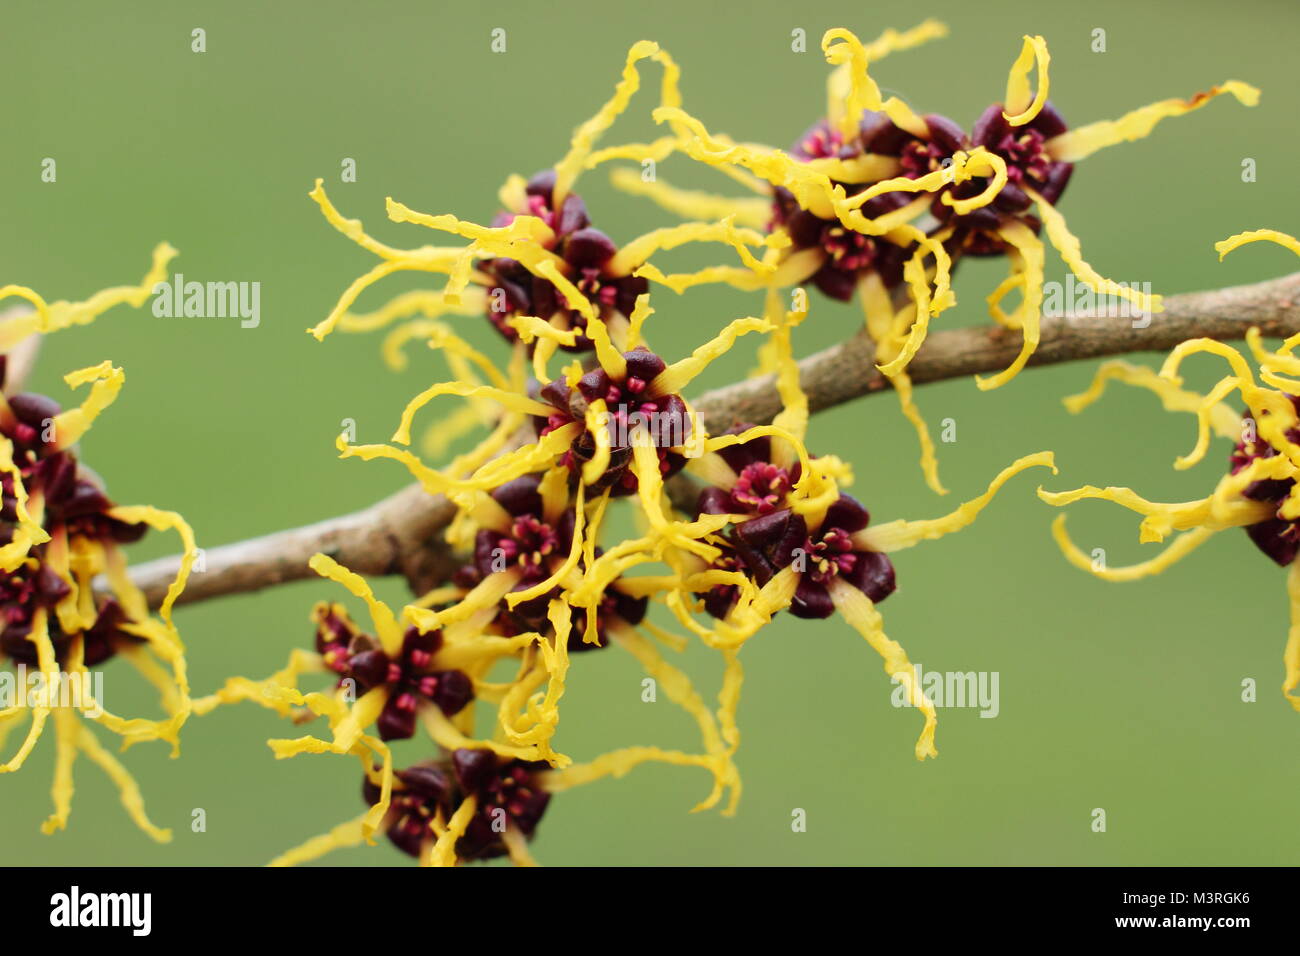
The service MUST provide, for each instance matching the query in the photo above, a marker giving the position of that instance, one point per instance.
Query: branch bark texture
(398, 534)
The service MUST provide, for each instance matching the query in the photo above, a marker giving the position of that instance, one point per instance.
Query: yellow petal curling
(55, 316)
(1021, 107)
(1225, 246)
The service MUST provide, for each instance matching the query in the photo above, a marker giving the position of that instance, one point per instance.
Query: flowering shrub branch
(398, 534)
(518, 552)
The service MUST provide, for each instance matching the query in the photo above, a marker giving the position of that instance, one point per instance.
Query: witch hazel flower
(59, 532)
(471, 640)
(789, 538)
(990, 192)
(814, 557)
(467, 806)
(1259, 493)
(610, 425)
(620, 405)
(589, 261)
(535, 581)
(407, 677)
(412, 669)
(527, 530)
(487, 798)
(881, 201)
(542, 272)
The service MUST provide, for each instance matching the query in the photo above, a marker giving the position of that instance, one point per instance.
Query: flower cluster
(59, 533)
(451, 702)
(882, 201)
(737, 521)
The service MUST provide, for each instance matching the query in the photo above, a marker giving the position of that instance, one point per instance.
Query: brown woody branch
(398, 535)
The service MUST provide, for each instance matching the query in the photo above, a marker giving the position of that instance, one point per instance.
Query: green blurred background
(1125, 697)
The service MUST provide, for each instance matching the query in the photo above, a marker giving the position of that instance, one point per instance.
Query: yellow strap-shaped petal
(858, 609)
(341, 837)
(586, 135)
(1225, 422)
(40, 709)
(444, 850)
(1071, 252)
(128, 790)
(1182, 545)
(842, 47)
(1225, 246)
(1160, 518)
(1291, 656)
(900, 534)
(890, 41)
(635, 253)
(1021, 106)
(28, 532)
(386, 626)
(161, 520)
(1079, 143)
(1028, 316)
(55, 316)
(71, 424)
(503, 397)
(67, 732)
(681, 373)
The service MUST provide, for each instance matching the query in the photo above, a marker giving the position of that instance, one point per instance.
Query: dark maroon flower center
(507, 793)
(770, 543)
(420, 794)
(634, 413)
(822, 142)
(1025, 155)
(849, 250)
(761, 487)
(408, 676)
(920, 158)
(585, 253)
(832, 554)
(530, 542)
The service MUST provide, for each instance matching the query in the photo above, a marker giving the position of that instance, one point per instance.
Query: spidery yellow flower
(61, 533)
(1259, 493)
(539, 581)
(883, 201)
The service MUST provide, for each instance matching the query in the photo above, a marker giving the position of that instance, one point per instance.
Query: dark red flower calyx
(410, 677)
(532, 542)
(782, 539)
(508, 794)
(849, 254)
(1024, 149)
(761, 486)
(634, 409)
(586, 254)
(420, 794)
